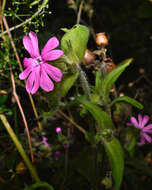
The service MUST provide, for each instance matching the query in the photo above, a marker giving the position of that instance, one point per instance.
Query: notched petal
(51, 44)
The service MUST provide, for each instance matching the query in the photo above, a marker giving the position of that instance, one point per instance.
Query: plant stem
(21, 68)
(27, 20)
(3, 6)
(84, 81)
(23, 115)
(20, 148)
(71, 121)
(79, 12)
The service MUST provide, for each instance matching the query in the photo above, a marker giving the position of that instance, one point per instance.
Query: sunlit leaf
(102, 118)
(111, 78)
(129, 100)
(116, 159)
(74, 42)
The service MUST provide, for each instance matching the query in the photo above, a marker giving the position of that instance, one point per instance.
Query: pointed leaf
(62, 89)
(129, 100)
(116, 159)
(39, 185)
(74, 42)
(111, 78)
(102, 118)
(98, 82)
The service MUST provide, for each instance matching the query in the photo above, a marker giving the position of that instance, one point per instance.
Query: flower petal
(28, 62)
(45, 82)
(36, 80)
(28, 45)
(128, 124)
(147, 137)
(134, 122)
(53, 72)
(147, 128)
(144, 121)
(25, 73)
(34, 42)
(52, 55)
(140, 119)
(33, 81)
(51, 44)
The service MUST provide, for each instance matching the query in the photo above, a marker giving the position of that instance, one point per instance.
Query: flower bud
(101, 39)
(109, 65)
(88, 57)
(58, 130)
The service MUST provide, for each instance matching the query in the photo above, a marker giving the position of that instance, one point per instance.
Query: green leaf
(144, 10)
(98, 82)
(129, 100)
(3, 99)
(102, 118)
(111, 78)
(74, 42)
(38, 185)
(116, 159)
(62, 89)
(67, 83)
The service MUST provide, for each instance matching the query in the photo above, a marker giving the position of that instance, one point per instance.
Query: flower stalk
(20, 148)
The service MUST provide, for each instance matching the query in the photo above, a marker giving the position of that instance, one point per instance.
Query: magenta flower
(58, 130)
(144, 130)
(66, 146)
(57, 153)
(37, 71)
(45, 142)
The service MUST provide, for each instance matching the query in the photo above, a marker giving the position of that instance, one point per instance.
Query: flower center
(38, 60)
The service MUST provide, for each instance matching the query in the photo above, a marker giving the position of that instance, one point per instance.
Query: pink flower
(37, 71)
(66, 146)
(144, 130)
(58, 130)
(57, 153)
(45, 142)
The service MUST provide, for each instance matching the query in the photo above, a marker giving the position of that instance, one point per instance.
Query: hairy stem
(84, 81)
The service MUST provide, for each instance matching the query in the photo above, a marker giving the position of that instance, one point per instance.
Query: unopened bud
(109, 65)
(101, 39)
(88, 57)
(69, 2)
(141, 70)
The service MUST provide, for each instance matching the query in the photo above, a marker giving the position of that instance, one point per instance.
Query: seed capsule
(101, 39)
(88, 57)
(109, 65)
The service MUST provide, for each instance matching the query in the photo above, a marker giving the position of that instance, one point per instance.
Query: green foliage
(116, 158)
(144, 10)
(38, 185)
(102, 118)
(74, 43)
(129, 100)
(111, 78)
(62, 89)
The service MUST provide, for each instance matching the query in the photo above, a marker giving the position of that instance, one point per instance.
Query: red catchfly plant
(141, 124)
(37, 71)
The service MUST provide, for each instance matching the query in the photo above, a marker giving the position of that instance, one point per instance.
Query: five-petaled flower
(37, 71)
(145, 130)
(45, 142)
(58, 130)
